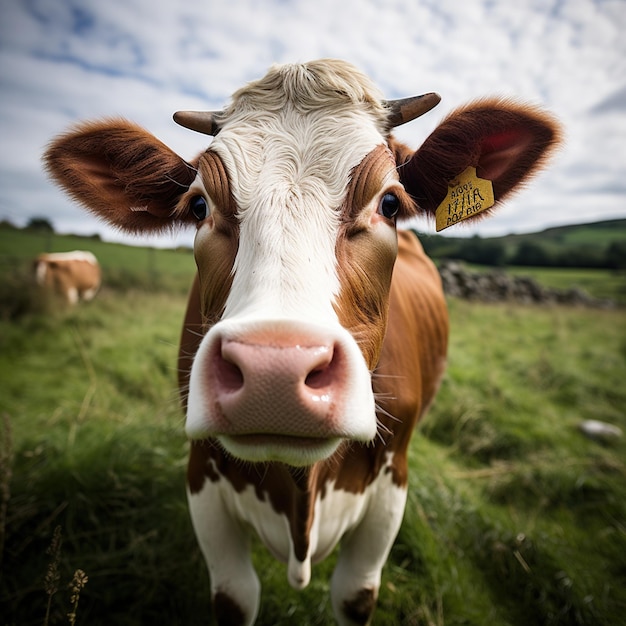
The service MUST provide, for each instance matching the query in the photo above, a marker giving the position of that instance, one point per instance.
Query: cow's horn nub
(407, 109)
(205, 122)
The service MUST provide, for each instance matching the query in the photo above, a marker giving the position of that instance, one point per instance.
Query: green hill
(595, 245)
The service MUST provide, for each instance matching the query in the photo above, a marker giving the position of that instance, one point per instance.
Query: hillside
(599, 244)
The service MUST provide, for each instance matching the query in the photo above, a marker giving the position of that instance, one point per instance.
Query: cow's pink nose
(277, 387)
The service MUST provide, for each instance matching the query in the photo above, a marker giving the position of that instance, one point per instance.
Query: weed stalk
(6, 469)
(51, 580)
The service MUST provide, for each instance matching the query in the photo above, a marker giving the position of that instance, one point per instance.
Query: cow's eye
(199, 207)
(389, 206)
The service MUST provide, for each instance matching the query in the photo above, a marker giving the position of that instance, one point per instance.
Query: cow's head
(295, 203)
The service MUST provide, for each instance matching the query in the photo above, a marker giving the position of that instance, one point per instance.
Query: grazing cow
(315, 334)
(72, 275)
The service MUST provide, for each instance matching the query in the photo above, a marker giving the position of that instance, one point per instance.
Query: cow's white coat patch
(89, 294)
(72, 295)
(40, 272)
(221, 515)
(76, 255)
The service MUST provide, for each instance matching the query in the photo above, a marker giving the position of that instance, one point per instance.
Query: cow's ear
(505, 141)
(121, 173)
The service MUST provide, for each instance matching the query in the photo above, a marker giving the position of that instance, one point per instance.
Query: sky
(62, 61)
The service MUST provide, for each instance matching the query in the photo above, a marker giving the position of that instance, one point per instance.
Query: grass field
(514, 517)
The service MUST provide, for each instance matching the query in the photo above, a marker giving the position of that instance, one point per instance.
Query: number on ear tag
(467, 196)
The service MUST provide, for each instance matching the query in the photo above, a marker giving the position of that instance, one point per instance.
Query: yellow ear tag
(467, 196)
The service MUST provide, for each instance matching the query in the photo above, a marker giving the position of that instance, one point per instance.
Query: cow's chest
(291, 539)
(331, 516)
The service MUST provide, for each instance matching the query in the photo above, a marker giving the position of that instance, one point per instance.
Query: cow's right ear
(122, 173)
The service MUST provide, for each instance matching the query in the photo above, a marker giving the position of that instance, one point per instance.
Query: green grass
(513, 516)
(99, 449)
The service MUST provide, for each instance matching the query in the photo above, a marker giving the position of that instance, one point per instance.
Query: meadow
(513, 518)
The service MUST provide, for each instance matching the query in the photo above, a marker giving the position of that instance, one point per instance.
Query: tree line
(528, 252)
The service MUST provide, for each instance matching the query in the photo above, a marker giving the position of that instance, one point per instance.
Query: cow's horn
(407, 109)
(206, 122)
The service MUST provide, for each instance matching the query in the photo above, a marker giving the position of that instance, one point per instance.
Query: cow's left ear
(122, 173)
(506, 142)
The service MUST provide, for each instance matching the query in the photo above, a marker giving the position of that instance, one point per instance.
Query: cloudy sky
(67, 60)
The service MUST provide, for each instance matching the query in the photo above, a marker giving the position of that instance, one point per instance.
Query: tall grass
(513, 517)
(542, 517)
(99, 450)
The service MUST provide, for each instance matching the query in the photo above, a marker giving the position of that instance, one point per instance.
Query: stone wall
(498, 286)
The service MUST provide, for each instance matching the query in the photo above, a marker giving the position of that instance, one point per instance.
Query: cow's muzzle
(280, 389)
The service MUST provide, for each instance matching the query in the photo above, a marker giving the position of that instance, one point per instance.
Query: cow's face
(295, 249)
(295, 204)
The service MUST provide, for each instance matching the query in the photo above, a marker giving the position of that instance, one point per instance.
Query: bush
(482, 252)
(40, 223)
(530, 253)
(616, 255)
(20, 295)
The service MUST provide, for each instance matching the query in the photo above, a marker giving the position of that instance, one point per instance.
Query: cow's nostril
(325, 374)
(229, 376)
(318, 378)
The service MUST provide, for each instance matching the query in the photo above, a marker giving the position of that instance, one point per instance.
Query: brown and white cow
(72, 275)
(315, 335)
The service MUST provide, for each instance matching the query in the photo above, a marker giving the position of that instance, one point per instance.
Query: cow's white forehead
(288, 175)
(288, 170)
(300, 129)
(288, 185)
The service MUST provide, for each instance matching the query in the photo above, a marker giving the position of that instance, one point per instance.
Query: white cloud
(143, 59)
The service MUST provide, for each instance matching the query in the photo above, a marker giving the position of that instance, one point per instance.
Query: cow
(72, 275)
(315, 335)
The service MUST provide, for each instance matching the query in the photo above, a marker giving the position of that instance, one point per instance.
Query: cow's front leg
(235, 587)
(364, 551)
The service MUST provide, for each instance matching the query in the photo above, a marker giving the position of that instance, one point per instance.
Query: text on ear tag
(467, 196)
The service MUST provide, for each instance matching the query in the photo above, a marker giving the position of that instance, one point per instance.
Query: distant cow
(72, 275)
(316, 334)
